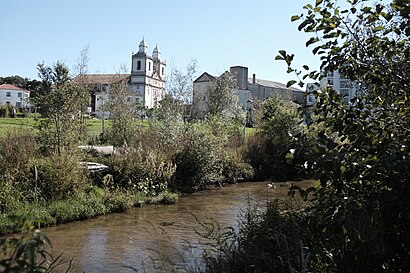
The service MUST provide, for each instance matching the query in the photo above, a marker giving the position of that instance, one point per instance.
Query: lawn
(8, 125)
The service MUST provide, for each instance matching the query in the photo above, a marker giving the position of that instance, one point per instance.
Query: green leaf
(378, 28)
(278, 57)
(294, 18)
(366, 9)
(318, 2)
(312, 41)
(290, 83)
(306, 67)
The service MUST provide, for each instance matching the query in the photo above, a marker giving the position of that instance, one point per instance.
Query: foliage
(6, 110)
(21, 82)
(198, 164)
(222, 100)
(123, 109)
(206, 159)
(26, 252)
(234, 168)
(140, 171)
(268, 150)
(15, 155)
(179, 86)
(361, 216)
(60, 101)
(268, 241)
(55, 177)
(165, 135)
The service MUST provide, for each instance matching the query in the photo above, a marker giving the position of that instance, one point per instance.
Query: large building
(247, 88)
(145, 83)
(14, 96)
(337, 82)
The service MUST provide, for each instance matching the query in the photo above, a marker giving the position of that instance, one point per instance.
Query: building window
(18, 104)
(344, 92)
(139, 65)
(330, 82)
(104, 87)
(345, 84)
(8, 94)
(162, 71)
(19, 94)
(149, 66)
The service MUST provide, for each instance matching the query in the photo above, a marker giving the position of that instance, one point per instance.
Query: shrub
(26, 252)
(234, 168)
(268, 241)
(56, 177)
(198, 164)
(140, 170)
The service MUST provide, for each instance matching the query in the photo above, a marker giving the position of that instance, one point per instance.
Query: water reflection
(155, 238)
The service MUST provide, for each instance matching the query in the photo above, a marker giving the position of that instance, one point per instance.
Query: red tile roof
(101, 78)
(10, 87)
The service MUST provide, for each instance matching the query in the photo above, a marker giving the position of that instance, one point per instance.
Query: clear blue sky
(218, 33)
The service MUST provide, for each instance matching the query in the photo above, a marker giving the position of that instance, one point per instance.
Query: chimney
(253, 78)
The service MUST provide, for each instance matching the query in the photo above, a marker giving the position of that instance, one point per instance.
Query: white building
(340, 84)
(148, 75)
(246, 89)
(14, 96)
(146, 83)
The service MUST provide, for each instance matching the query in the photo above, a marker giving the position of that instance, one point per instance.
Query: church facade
(148, 75)
(145, 84)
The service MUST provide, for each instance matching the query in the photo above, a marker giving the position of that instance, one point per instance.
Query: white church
(146, 83)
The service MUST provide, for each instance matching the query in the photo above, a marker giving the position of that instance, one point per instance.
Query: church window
(139, 65)
(162, 71)
(149, 66)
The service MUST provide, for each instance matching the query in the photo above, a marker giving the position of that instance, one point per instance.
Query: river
(155, 238)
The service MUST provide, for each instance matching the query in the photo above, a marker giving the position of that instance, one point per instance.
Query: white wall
(14, 99)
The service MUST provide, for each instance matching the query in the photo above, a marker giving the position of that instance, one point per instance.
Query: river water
(155, 238)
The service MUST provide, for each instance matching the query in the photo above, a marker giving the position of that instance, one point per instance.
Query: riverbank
(158, 238)
(83, 205)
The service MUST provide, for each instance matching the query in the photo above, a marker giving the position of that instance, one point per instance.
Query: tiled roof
(10, 87)
(273, 84)
(101, 78)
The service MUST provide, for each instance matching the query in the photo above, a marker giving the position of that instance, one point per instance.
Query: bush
(140, 170)
(234, 168)
(198, 164)
(56, 177)
(26, 252)
(268, 241)
(278, 129)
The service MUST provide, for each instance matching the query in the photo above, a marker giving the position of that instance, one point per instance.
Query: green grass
(250, 131)
(79, 207)
(8, 125)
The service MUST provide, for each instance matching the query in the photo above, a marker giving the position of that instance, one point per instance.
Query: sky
(217, 33)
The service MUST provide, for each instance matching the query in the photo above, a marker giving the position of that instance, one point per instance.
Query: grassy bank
(83, 205)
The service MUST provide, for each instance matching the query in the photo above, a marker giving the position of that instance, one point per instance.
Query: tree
(60, 102)
(222, 100)
(123, 107)
(177, 102)
(361, 217)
